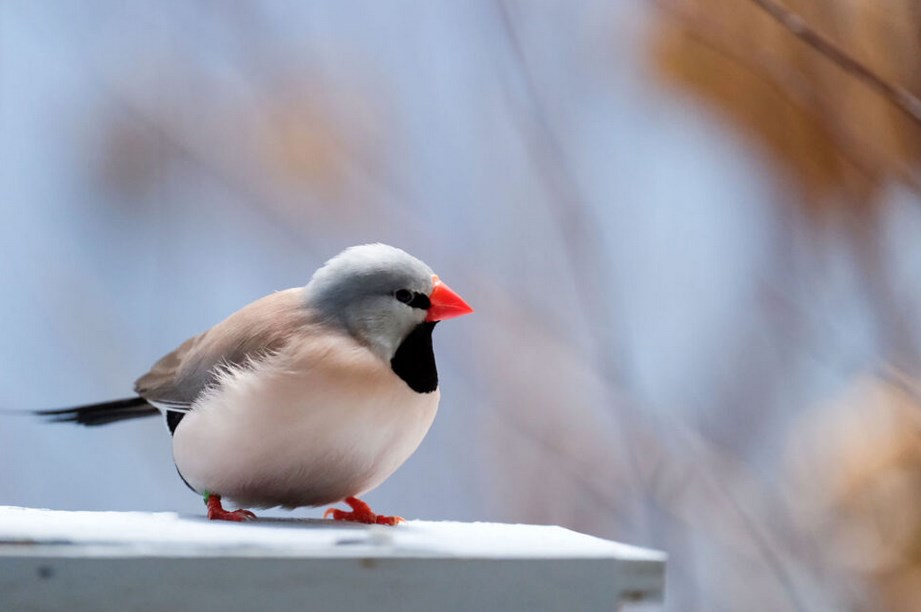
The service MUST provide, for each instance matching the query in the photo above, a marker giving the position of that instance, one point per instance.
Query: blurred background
(691, 236)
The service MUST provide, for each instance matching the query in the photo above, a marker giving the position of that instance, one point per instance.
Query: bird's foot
(361, 513)
(216, 511)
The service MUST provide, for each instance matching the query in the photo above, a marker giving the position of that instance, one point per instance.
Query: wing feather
(261, 328)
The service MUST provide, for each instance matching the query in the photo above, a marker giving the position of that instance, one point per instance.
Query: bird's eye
(404, 295)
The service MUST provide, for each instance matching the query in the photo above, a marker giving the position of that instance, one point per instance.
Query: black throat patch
(414, 361)
(173, 417)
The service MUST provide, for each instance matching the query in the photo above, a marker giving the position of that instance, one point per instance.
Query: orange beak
(445, 303)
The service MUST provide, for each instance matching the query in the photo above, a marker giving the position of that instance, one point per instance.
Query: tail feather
(102, 413)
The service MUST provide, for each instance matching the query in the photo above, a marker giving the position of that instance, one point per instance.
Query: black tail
(103, 413)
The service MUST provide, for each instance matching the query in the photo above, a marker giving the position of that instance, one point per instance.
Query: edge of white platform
(163, 561)
(142, 533)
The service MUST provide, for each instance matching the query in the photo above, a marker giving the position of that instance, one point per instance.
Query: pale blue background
(643, 296)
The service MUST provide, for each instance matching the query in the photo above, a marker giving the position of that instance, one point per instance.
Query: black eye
(404, 295)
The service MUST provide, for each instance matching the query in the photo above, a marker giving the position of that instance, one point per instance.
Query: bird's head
(380, 294)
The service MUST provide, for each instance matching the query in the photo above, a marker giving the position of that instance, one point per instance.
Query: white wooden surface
(76, 561)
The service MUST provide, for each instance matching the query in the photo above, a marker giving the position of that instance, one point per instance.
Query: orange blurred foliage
(855, 468)
(836, 139)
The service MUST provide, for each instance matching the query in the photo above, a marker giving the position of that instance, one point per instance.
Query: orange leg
(361, 513)
(216, 511)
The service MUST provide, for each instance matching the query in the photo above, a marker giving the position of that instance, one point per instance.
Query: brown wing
(259, 328)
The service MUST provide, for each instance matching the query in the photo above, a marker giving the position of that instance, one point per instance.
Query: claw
(216, 511)
(361, 513)
(335, 513)
(393, 521)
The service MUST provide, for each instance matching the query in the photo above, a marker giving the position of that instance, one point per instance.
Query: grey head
(377, 292)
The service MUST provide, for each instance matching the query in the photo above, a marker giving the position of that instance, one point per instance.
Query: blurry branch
(198, 155)
(903, 381)
(549, 444)
(797, 26)
(869, 156)
(854, 467)
(791, 85)
(209, 153)
(694, 480)
(572, 213)
(569, 206)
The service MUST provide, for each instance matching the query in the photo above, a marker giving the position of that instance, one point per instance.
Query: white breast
(320, 421)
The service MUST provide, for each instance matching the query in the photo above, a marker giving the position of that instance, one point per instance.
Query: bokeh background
(693, 241)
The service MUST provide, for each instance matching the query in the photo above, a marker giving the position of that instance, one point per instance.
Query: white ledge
(52, 560)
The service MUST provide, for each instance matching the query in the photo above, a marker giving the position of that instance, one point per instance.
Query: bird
(307, 397)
